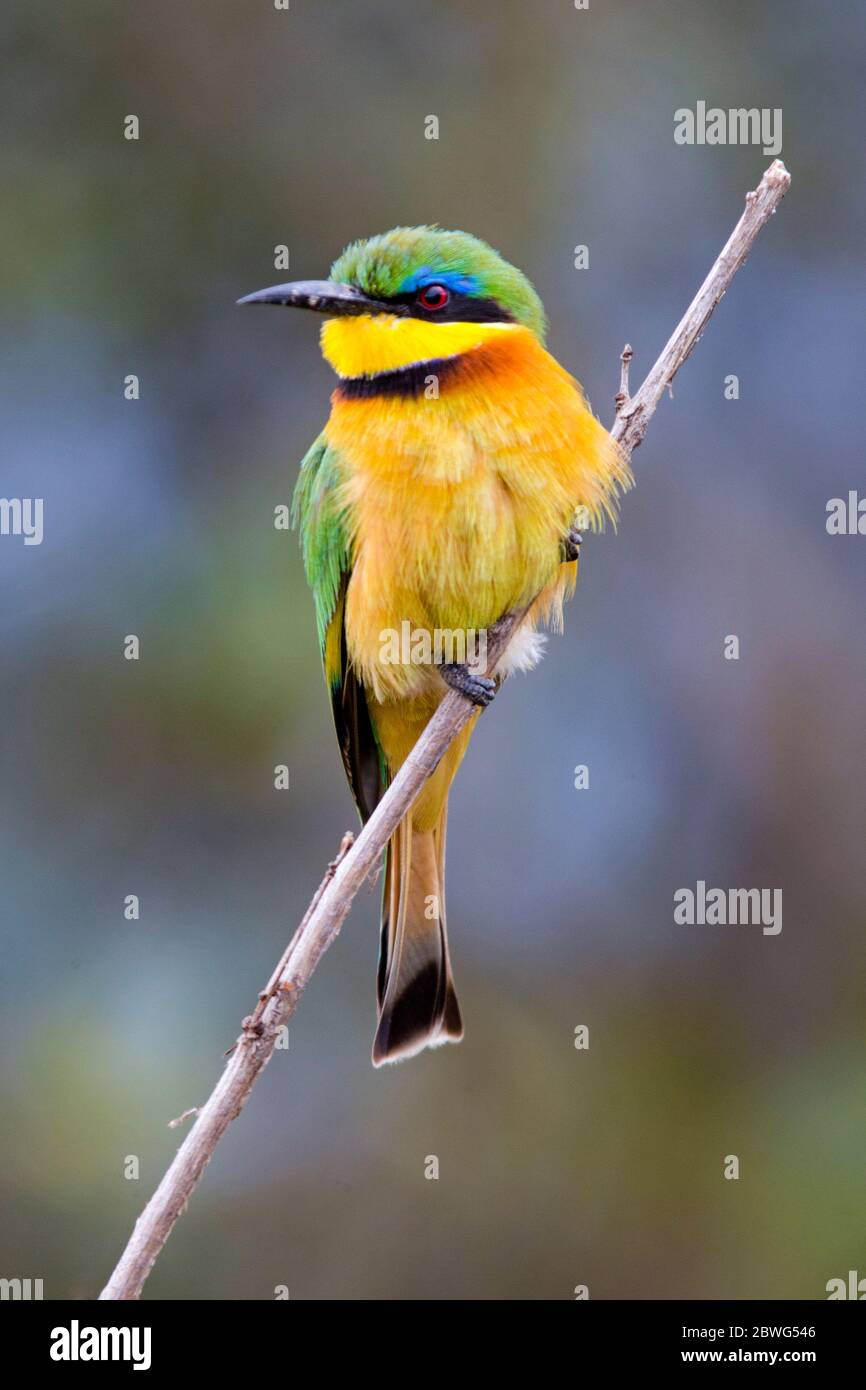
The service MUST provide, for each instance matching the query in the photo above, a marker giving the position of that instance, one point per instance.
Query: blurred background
(558, 1167)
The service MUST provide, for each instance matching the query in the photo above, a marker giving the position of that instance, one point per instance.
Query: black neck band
(405, 381)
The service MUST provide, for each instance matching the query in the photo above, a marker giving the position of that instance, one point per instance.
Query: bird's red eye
(433, 297)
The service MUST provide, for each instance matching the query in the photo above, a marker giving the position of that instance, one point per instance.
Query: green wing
(320, 514)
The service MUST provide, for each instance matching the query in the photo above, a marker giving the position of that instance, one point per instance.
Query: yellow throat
(373, 343)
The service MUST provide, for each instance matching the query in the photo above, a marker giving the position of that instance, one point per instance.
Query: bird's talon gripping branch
(571, 544)
(479, 689)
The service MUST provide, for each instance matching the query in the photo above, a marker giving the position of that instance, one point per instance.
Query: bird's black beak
(323, 296)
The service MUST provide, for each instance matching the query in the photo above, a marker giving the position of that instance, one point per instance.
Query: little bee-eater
(441, 495)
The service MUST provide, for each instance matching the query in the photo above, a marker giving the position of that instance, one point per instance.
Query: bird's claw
(479, 689)
(571, 544)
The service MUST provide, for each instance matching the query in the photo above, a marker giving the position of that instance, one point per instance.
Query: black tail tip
(420, 1017)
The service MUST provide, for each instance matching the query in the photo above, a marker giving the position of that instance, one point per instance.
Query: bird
(443, 494)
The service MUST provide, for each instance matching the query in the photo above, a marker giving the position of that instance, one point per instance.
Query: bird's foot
(570, 544)
(479, 689)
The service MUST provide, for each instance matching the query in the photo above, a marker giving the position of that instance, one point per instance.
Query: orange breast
(458, 502)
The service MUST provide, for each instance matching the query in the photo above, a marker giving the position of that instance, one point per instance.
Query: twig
(635, 415)
(178, 1121)
(621, 396)
(354, 861)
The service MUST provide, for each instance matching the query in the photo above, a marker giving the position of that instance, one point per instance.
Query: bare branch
(635, 415)
(356, 859)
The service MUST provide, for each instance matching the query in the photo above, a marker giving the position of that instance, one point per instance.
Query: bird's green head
(443, 293)
(444, 277)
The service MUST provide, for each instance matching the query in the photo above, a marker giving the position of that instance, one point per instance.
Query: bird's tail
(417, 1004)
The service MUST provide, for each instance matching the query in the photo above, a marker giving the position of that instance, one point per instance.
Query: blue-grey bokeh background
(557, 1167)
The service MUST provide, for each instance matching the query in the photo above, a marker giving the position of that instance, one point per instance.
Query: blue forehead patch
(451, 279)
